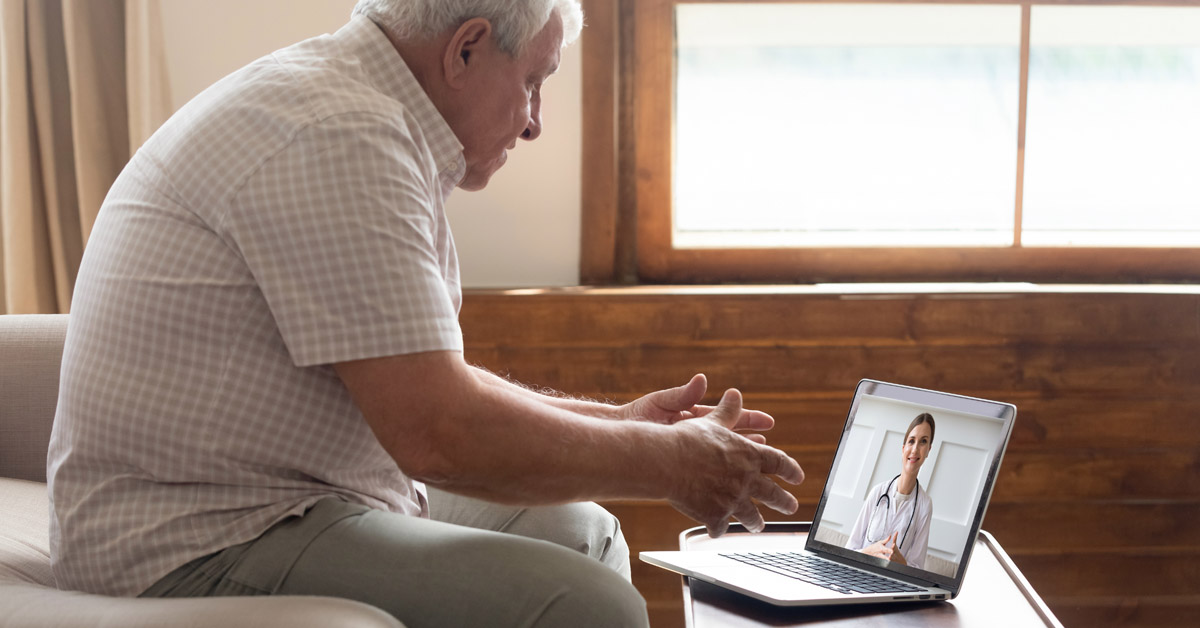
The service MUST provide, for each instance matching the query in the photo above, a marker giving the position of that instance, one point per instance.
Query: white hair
(514, 22)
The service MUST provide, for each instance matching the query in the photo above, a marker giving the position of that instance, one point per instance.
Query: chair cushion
(25, 533)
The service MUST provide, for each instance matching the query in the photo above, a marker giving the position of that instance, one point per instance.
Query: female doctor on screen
(894, 521)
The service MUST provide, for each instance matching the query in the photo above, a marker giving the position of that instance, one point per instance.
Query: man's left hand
(680, 403)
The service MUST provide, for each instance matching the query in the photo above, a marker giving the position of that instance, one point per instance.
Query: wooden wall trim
(599, 198)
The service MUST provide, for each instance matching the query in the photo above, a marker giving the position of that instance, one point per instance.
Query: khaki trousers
(473, 563)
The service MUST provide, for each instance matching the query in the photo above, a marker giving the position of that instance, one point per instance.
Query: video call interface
(909, 477)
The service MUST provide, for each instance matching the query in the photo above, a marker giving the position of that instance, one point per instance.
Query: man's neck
(423, 58)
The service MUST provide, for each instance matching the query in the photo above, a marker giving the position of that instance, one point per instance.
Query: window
(845, 125)
(1113, 134)
(807, 141)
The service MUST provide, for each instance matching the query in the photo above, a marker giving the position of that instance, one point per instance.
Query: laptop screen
(911, 480)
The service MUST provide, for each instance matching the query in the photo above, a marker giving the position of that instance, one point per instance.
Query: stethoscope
(877, 528)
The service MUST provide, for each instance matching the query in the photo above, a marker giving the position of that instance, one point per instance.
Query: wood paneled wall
(1098, 497)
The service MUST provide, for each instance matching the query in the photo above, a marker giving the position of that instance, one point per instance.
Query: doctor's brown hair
(924, 417)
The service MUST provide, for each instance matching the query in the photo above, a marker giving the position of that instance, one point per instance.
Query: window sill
(849, 290)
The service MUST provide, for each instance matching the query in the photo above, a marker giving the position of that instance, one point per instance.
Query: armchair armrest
(32, 606)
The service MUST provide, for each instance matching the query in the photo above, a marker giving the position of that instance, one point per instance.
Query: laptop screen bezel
(933, 400)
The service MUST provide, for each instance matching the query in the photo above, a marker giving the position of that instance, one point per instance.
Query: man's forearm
(445, 424)
(509, 444)
(457, 427)
(578, 405)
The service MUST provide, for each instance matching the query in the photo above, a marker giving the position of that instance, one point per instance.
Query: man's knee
(598, 531)
(605, 599)
(584, 527)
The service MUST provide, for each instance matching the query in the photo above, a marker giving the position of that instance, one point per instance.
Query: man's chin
(477, 178)
(473, 184)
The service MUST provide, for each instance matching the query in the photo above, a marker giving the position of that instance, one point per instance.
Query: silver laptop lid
(934, 525)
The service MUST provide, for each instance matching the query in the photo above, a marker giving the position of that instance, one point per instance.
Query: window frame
(628, 65)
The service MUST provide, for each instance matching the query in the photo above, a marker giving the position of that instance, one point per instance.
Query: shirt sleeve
(341, 230)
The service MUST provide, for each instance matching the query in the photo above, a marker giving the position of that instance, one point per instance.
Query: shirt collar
(386, 70)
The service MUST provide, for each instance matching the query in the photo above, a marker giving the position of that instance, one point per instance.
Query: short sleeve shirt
(288, 218)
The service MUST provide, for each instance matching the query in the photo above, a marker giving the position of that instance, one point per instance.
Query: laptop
(932, 528)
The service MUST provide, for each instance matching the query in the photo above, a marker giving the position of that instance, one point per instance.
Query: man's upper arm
(410, 402)
(343, 234)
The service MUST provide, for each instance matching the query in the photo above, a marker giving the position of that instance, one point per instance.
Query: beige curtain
(82, 84)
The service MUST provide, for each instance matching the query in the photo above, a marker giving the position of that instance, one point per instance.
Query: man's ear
(466, 41)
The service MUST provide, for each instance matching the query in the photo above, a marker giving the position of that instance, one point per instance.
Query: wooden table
(994, 592)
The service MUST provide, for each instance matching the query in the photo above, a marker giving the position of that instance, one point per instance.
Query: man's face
(505, 101)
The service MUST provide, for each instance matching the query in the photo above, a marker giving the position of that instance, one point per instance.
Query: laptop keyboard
(823, 573)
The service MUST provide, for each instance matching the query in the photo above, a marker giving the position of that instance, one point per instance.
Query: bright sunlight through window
(1112, 149)
(844, 125)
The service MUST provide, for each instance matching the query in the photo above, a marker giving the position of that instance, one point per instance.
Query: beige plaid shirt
(288, 218)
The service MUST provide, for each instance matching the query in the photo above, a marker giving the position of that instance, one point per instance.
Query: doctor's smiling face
(916, 448)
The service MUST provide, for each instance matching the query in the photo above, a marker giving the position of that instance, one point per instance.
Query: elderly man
(264, 367)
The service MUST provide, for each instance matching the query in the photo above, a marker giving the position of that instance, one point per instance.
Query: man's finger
(775, 462)
(750, 517)
(772, 496)
(729, 410)
(717, 529)
(685, 397)
(755, 420)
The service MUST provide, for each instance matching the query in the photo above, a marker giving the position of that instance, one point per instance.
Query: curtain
(82, 84)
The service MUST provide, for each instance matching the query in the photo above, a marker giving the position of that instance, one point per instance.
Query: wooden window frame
(628, 85)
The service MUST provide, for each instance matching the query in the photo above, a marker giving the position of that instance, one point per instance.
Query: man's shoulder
(329, 85)
(260, 110)
(303, 84)
(314, 79)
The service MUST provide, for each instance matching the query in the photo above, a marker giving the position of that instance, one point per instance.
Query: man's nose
(535, 124)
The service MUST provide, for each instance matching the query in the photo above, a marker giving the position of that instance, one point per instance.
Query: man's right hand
(724, 473)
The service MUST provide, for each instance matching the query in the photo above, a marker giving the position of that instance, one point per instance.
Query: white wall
(523, 230)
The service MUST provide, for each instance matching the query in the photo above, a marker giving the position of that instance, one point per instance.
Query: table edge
(989, 541)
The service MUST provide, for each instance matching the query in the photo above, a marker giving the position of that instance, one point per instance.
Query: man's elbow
(417, 406)
(426, 453)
